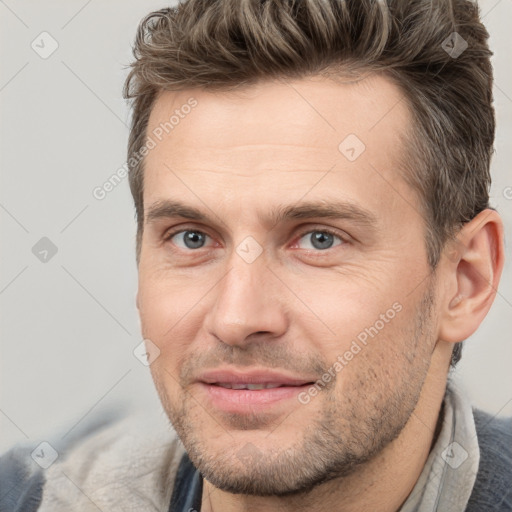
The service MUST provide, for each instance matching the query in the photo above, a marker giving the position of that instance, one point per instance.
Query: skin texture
(363, 439)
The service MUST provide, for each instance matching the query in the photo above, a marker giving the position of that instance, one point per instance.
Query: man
(314, 243)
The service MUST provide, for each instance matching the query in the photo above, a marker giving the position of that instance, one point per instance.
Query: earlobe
(474, 269)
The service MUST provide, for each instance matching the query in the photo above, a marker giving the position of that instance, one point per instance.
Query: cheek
(374, 343)
(340, 309)
(172, 325)
(165, 302)
(381, 358)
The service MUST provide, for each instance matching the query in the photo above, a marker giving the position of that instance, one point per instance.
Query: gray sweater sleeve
(21, 481)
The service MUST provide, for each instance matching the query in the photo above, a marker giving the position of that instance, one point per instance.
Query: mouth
(252, 387)
(251, 391)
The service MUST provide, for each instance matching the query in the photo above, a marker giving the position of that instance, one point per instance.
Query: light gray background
(69, 326)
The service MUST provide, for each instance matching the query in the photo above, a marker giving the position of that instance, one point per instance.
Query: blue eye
(320, 240)
(317, 240)
(189, 239)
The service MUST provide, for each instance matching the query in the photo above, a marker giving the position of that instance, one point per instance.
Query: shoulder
(125, 465)
(492, 489)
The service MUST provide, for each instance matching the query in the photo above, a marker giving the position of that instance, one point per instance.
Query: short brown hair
(435, 51)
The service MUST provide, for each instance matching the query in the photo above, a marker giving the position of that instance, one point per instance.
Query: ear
(137, 300)
(472, 269)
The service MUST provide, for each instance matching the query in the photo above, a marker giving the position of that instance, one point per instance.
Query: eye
(319, 240)
(188, 239)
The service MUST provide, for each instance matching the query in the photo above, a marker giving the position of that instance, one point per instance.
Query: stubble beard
(348, 432)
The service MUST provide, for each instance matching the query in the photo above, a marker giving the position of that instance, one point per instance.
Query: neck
(383, 484)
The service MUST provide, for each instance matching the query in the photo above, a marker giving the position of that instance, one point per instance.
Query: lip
(252, 377)
(243, 401)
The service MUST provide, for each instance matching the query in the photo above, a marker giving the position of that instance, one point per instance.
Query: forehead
(278, 134)
(313, 112)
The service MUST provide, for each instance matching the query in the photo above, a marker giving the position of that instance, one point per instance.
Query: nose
(246, 302)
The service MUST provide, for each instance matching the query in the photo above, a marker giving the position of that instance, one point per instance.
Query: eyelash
(344, 239)
(323, 230)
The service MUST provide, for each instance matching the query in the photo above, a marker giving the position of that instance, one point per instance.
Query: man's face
(265, 285)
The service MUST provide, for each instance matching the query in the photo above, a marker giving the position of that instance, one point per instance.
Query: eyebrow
(168, 209)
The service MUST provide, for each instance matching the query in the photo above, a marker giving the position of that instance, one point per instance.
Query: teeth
(237, 386)
(233, 385)
(261, 386)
